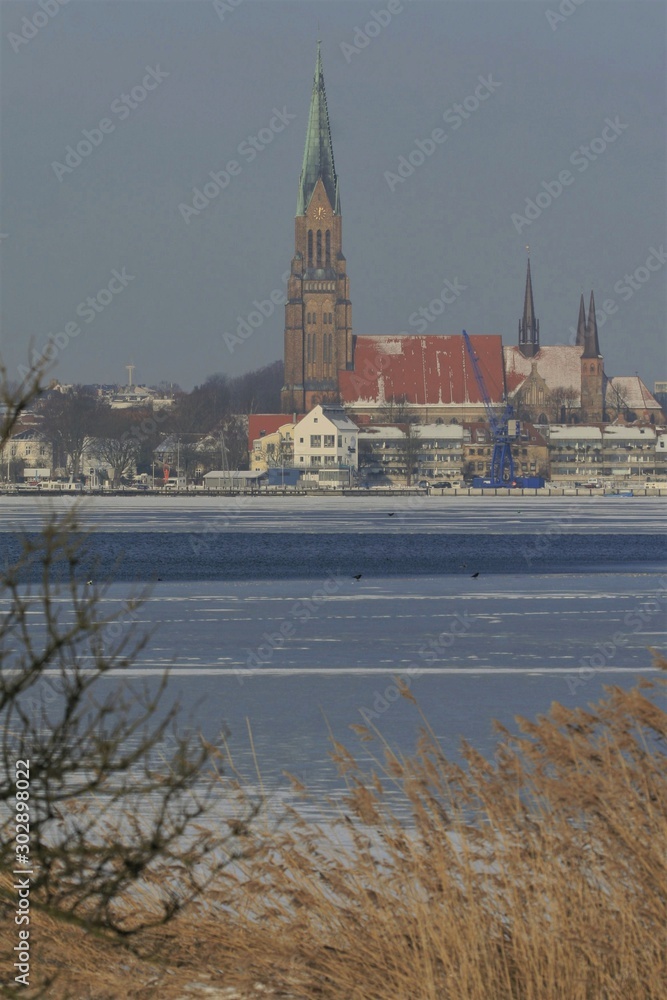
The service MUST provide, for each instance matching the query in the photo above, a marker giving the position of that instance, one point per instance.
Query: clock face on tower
(320, 212)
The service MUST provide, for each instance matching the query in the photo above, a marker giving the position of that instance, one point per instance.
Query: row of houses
(326, 440)
(326, 437)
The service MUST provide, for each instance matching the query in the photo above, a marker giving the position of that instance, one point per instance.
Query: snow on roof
(632, 392)
(558, 364)
(425, 432)
(422, 370)
(381, 434)
(629, 433)
(574, 432)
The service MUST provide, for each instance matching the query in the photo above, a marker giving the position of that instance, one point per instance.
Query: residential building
(575, 452)
(412, 452)
(27, 447)
(326, 437)
(628, 452)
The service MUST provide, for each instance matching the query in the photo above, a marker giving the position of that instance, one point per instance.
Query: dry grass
(540, 875)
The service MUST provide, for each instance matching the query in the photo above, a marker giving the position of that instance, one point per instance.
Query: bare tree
(118, 441)
(109, 787)
(70, 417)
(563, 399)
(410, 448)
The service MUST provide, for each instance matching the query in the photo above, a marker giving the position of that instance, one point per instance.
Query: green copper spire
(318, 158)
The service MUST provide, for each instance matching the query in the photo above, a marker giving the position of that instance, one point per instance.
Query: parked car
(441, 484)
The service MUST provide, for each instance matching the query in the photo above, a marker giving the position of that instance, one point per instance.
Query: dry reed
(538, 875)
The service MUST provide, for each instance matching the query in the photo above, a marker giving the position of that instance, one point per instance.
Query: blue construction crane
(504, 430)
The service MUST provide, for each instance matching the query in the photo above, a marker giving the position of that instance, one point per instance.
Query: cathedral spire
(529, 327)
(592, 345)
(581, 324)
(318, 158)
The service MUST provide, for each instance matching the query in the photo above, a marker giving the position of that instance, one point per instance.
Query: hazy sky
(201, 78)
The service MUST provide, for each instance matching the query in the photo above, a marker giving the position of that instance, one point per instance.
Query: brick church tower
(318, 314)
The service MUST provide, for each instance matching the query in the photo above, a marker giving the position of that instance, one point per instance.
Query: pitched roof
(318, 158)
(558, 364)
(630, 390)
(261, 424)
(422, 370)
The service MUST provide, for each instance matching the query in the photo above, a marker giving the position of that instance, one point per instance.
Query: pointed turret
(581, 325)
(529, 327)
(592, 369)
(318, 158)
(592, 345)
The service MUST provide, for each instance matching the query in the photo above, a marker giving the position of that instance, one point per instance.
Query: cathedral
(424, 377)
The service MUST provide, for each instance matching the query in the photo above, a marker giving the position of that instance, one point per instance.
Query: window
(340, 440)
(329, 441)
(325, 318)
(315, 440)
(310, 248)
(314, 358)
(319, 248)
(328, 248)
(300, 440)
(330, 347)
(331, 317)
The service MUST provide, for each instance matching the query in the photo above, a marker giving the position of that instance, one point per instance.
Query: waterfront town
(419, 410)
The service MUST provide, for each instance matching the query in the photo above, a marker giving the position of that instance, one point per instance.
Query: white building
(325, 437)
(429, 450)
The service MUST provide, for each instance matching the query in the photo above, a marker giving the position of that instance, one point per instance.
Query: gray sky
(555, 80)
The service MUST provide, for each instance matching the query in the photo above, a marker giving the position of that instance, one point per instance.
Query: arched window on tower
(308, 349)
(330, 349)
(324, 318)
(314, 356)
(592, 368)
(319, 248)
(310, 248)
(328, 248)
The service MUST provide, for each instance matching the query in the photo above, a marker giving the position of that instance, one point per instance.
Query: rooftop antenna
(130, 372)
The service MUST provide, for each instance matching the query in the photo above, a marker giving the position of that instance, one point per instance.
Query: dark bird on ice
(390, 515)
(474, 575)
(357, 576)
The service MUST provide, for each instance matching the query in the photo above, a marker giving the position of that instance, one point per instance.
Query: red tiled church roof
(423, 370)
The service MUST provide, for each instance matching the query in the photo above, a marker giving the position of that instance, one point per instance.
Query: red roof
(261, 424)
(424, 370)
